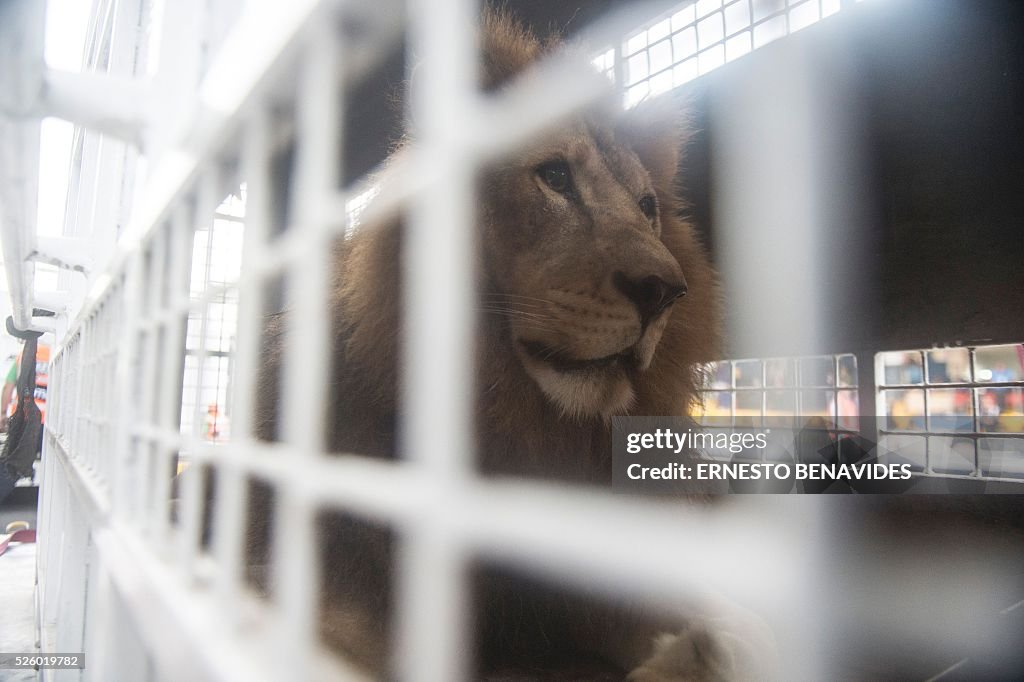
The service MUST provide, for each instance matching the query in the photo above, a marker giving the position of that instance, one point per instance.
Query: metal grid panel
(790, 395)
(954, 412)
(756, 391)
(132, 338)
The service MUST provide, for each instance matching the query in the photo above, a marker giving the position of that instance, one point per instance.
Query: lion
(596, 299)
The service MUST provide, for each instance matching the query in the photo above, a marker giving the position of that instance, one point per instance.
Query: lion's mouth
(563, 362)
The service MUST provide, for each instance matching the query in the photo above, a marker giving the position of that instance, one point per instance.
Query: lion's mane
(519, 430)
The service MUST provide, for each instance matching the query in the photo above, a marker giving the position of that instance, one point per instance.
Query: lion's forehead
(607, 155)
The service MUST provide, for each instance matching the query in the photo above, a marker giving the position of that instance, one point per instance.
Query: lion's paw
(711, 651)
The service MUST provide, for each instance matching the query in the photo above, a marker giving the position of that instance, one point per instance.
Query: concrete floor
(17, 586)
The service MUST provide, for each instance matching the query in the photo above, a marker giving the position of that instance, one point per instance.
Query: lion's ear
(657, 130)
(507, 48)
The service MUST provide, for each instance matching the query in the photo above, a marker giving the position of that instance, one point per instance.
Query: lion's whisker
(518, 314)
(517, 298)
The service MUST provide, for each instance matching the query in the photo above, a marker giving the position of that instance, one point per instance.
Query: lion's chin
(599, 391)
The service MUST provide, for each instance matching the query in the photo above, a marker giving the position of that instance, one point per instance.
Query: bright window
(699, 37)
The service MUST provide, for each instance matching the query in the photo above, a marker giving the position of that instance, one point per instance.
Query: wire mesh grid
(954, 411)
(118, 394)
(119, 423)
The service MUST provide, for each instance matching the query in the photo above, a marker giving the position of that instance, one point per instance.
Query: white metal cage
(134, 589)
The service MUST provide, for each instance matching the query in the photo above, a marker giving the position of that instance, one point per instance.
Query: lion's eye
(555, 175)
(649, 206)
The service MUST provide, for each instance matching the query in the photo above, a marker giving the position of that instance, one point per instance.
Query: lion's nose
(651, 294)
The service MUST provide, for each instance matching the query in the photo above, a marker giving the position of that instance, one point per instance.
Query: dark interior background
(943, 102)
